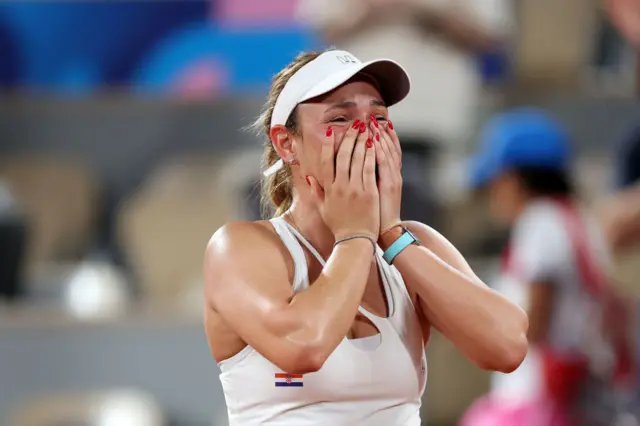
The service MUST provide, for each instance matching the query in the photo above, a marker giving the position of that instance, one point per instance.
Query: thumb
(317, 192)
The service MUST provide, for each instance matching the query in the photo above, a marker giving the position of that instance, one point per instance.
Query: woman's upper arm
(247, 285)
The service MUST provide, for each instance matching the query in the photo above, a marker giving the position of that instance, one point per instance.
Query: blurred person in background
(625, 15)
(622, 219)
(439, 42)
(553, 267)
(321, 314)
(13, 244)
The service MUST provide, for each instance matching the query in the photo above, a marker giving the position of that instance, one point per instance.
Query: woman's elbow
(511, 349)
(513, 356)
(304, 360)
(507, 359)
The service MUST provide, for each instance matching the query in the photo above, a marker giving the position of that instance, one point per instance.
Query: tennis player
(320, 316)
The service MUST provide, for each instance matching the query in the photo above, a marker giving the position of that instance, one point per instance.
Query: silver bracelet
(353, 237)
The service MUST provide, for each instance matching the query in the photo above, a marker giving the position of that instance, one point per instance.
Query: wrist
(356, 241)
(389, 236)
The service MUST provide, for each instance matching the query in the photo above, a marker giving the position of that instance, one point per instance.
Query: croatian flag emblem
(288, 380)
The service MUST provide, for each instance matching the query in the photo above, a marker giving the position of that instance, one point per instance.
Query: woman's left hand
(389, 159)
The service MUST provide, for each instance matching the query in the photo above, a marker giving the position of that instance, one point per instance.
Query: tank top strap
(302, 240)
(294, 235)
(301, 272)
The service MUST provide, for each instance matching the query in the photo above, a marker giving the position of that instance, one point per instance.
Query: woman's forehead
(358, 92)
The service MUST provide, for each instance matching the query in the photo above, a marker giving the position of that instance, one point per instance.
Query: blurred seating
(238, 182)
(593, 176)
(450, 373)
(255, 12)
(554, 44)
(107, 408)
(67, 52)
(212, 59)
(165, 227)
(59, 199)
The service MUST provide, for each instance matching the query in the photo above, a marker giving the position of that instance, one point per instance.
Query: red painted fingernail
(375, 122)
(369, 143)
(356, 124)
(329, 131)
(390, 125)
(363, 128)
(308, 180)
(378, 137)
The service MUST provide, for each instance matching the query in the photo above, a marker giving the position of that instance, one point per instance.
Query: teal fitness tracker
(404, 241)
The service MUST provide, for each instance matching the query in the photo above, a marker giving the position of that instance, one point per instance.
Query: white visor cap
(332, 69)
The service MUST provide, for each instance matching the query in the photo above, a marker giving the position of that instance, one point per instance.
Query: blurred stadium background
(121, 151)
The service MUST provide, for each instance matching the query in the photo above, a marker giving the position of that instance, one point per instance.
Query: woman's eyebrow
(342, 105)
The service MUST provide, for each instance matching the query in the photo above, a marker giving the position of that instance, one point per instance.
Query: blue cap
(523, 137)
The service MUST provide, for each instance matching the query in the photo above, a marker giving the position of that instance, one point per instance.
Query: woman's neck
(306, 218)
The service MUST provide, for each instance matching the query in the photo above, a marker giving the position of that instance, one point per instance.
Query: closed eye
(338, 120)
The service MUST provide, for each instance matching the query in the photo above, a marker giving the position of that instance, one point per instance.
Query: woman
(553, 268)
(321, 314)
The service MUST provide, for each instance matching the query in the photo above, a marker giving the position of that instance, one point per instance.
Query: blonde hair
(277, 189)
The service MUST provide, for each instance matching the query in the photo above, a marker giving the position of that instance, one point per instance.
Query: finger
(369, 167)
(394, 138)
(383, 145)
(343, 161)
(357, 161)
(327, 158)
(385, 138)
(317, 193)
(382, 160)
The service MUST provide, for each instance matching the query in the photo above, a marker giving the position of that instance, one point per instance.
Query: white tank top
(376, 380)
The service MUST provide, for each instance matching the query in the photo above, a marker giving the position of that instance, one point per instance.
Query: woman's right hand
(348, 198)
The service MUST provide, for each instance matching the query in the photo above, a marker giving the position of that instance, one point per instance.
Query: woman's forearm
(330, 305)
(486, 327)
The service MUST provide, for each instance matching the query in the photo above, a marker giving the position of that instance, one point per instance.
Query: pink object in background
(254, 11)
(201, 80)
(488, 411)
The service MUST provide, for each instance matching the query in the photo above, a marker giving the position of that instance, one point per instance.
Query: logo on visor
(347, 59)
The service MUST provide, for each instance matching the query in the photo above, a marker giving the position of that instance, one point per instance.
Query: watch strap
(404, 241)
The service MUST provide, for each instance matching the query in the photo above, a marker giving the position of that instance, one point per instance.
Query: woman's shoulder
(242, 237)
(244, 249)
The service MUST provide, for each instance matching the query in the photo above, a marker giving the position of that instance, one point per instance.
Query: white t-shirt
(541, 251)
(446, 85)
